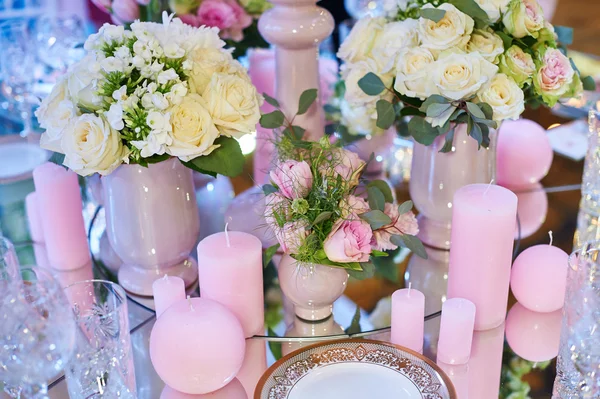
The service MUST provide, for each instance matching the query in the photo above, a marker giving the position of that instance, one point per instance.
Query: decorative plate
(353, 368)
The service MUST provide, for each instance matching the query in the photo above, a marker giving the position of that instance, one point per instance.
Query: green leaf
(385, 114)
(371, 84)
(307, 98)
(272, 120)
(376, 219)
(384, 188)
(157, 158)
(506, 39)
(589, 84)
(487, 110)
(471, 8)
(564, 34)
(422, 131)
(227, 160)
(447, 147)
(296, 133)
(275, 347)
(367, 271)
(475, 110)
(349, 266)
(268, 254)
(269, 189)
(376, 198)
(321, 217)
(387, 268)
(410, 111)
(476, 133)
(433, 14)
(379, 254)
(320, 254)
(331, 109)
(271, 100)
(433, 99)
(405, 207)
(415, 245)
(354, 327)
(340, 89)
(436, 110)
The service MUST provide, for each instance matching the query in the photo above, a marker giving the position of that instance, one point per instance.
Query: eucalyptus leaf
(385, 114)
(405, 207)
(589, 84)
(422, 131)
(227, 160)
(433, 14)
(271, 100)
(307, 98)
(367, 271)
(476, 133)
(321, 217)
(340, 89)
(415, 245)
(296, 133)
(433, 99)
(376, 198)
(384, 188)
(272, 120)
(157, 158)
(387, 268)
(436, 110)
(564, 34)
(376, 219)
(475, 110)
(354, 327)
(449, 143)
(331, 109)
(410, 111)
(506, 39)
(371, 84)
(269, 189)
(487, 110)
(471, 8)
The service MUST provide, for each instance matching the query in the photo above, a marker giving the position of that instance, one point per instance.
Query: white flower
(140, 62)
(141, 49)
(413, 73)
(487, 43)
(505, 97)
(124, 54)
(113, 64)
(452, 31)
(54, 114)
(360, 120)
(147, 101)
(82, 82)
(352, 73)
(92, 146)
(120, 94)
(158, 121)
(172, 50)
(459, 76)
(114, 116)
(493, 8)
(362, 38)
(167, 76)
(159, 101)
(394, 37)
(391, 7)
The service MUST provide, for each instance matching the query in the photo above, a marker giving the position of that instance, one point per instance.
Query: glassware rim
(120, 290)
(577, 251)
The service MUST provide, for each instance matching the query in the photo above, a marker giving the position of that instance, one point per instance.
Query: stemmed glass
(37, 331)
(59, 40)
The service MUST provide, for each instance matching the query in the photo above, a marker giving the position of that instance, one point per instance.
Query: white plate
(18, 159)
(354, 369)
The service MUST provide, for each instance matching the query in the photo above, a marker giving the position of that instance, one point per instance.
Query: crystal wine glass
(37, 331)
(59, 40)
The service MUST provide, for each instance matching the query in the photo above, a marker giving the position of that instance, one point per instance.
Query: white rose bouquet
(150, 93)
(449, 62)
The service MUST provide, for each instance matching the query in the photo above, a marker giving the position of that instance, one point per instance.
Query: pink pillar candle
(61, 214)
(456, 331)
(408, 319)
(230, 272)
(483, 225)
(33, 218)
(166, 291)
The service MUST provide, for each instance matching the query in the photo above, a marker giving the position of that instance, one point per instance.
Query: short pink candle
(33, 218)
(230, 272)
(483, 226)
(456, 331)
(166, 291)
(61, 214)
(408, 319)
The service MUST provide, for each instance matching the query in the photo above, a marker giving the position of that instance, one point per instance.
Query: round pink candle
(167, 290)
(33, 218)
(233, 390)
(408, 319)
(61, 213)
(230, 272)
(532, 208)
(456, 331)
(483, 226)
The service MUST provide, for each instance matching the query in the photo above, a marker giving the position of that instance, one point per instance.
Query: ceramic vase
(436, 176)
(311, 288)
(152, 223)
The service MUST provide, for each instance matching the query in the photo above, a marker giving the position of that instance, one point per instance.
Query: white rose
(413, 73)
(505, 97)
(54, 114)
(194, 131)
(92, 146)
(524, 18)
(362, 38)
(207, 62)
(394, 37)
(518, 65)
(82, 83)
(352, 73)
(359, 120)
(493, 8)
(233, 103)
(459, 76)
(488, 44)
(452, 31)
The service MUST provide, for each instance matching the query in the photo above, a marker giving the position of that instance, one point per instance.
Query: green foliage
(371, 84)
(376, 219)
(274, 347)
(376, 198)
(252, 39)
(564, 34)
(433, 14)
(227, 160)
(386, 115)
(405, 207)
(272, 120)
(384, 188)
(589, 83)
(354, 327)
(410, 242)
(271, 100)
(471, 8)
(268, 254)
(307, 98)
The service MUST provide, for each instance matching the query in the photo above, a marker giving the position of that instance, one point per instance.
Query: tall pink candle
(408, 319)
(456, 331)
(61, 215)
(483, 226)
(166, 291)
(230, 272)
(33, 218)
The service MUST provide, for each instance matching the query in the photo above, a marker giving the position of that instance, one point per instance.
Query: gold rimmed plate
(353, 368)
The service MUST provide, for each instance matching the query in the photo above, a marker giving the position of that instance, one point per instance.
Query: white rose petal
(493, 8)
(394, 37)
(413, 73)
(505, 97)
(459, 76)
(362, 38)
(352, 73)
(487, 43)
(452, 31)
(55, 113)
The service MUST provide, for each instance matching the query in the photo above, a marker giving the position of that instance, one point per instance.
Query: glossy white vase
(152, 223)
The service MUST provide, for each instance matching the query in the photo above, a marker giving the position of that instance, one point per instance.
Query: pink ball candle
(167, 290)
(523, 154)
(33, 218)
(539, 278)
(197, 346)
(233, 390)
(230, 272)
(483, 226)
(456, 331)
(532, 208)
(408, 319)
(61, 214)
(533, 336)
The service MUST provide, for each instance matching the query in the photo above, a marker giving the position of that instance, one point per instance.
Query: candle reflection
(302, 328)
(233, 390)
(485, 365)
(255, 364)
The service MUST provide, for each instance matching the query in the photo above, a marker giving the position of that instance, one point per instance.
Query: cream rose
(92, 146)
(518, 65)
(394, 37)
(194, 131)
(205, 63)
(352, 73)
(360, 119)
(362, 38)
(459, 76)
(54, 115)
(82, 82)
(413, 73)
(505, 97)
(486, 43)
(452, 31)
(555, 77)
(233, 103)
(493, 8)
(524, 18)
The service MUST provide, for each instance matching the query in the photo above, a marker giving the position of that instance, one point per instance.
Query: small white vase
(311, 288)
(152, 223)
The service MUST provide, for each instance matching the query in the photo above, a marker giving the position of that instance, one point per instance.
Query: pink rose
(349, 241)
(216, 13)
(276, 204)
(555, 77)
(352, 207)
(294, 179)
(190, 19)
(401, 224)
(242, 21)
(126, 10)
(347, 164)
(292, 236)
(103, 5)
